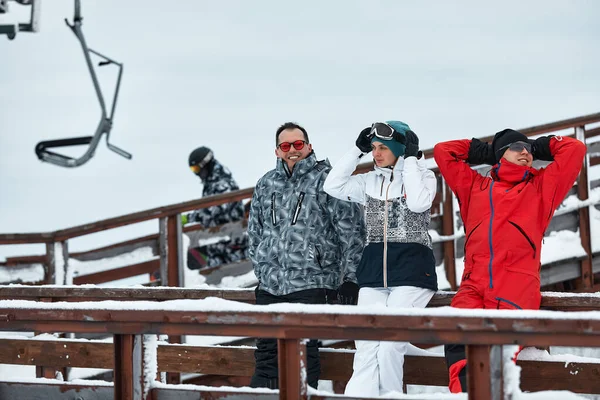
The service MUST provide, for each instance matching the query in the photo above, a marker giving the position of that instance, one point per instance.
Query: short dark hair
(290, 125)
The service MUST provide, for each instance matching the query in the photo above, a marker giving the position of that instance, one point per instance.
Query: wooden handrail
(290, 325)
(550, 300)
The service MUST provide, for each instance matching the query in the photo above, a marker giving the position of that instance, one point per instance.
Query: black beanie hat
(504, 138)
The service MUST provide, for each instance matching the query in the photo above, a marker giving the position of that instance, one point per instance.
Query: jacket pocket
(297, 208)
(526, 237)
(508, 302)
(273, 216)
(469, 236)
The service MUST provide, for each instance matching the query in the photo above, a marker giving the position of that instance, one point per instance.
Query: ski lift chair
(106, 121)
(11, 30)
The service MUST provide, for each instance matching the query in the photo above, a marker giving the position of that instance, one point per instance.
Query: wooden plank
(117, 248)
(77, 293)
(151, 214)
(26, 238)
(550, 300)
(223, 362)
(55, 391)
(424, 327)
(59, 354)
(40, 259)
(110, 275)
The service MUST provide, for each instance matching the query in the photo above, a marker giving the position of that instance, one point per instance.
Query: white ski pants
(378, 366)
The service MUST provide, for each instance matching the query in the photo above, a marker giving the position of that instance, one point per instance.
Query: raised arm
(340, 182)
(453, 159)
(420, 185)
(557, 178)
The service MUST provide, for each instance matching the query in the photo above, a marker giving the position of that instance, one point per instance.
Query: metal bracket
(32, 26)
(106, 121)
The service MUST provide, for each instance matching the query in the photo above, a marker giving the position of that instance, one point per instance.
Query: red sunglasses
(286, 146)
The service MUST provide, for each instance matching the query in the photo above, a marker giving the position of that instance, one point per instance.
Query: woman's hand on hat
(363, 142)
(412, 145)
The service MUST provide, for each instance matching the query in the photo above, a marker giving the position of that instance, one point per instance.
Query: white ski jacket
(397, 214)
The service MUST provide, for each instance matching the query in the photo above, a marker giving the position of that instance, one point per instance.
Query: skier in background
(216, 179)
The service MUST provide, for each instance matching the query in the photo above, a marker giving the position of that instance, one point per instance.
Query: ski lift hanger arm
(106, 121)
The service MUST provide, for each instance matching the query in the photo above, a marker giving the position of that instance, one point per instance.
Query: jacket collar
(301, 168)
(506, 171)
(398, 167)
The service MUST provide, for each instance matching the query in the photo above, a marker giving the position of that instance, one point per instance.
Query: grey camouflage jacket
(300, 237)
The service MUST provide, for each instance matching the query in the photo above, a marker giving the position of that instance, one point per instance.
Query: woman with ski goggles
(384, 131)
(397, 268)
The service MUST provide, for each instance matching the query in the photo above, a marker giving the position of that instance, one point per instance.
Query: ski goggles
(383, 131)
(196, 168)
(516, 146)
(287, 146)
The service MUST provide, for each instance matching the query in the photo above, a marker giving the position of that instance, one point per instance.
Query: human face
(382, 155)
(522, 157)
(293, 156)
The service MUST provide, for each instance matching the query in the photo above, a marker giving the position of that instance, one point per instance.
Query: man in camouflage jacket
(304, 244)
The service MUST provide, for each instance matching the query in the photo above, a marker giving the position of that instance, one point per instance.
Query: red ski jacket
(505, 216)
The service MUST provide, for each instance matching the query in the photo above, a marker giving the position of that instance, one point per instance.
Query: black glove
(348, 293)
(363, 142)
(412, 145)
(481, 153)
(540, 148)
(256, 290)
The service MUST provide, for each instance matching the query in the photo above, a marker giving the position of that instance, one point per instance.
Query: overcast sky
(226, 74)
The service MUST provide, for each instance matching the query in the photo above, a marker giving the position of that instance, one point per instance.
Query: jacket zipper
(382, 182)
(273, 219)
(526, 237)
(385, 226)
(490, 236)
(298, 207)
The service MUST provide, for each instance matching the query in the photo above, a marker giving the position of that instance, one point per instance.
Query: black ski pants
(266, 371)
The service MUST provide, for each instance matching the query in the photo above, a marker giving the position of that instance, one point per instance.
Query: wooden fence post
(50, 264)
(292, 368)
(129, 367)
(448, 230)
(65, 266)
(480, 381)
(171, 266)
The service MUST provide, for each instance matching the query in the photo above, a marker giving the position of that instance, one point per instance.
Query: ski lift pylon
(106, 121)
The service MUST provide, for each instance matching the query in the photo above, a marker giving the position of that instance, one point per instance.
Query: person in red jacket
(505, 216)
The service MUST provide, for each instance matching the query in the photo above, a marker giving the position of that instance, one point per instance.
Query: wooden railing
(137, 359)
(167, 248)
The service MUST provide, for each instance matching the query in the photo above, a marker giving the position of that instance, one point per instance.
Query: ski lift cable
(106, 121)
